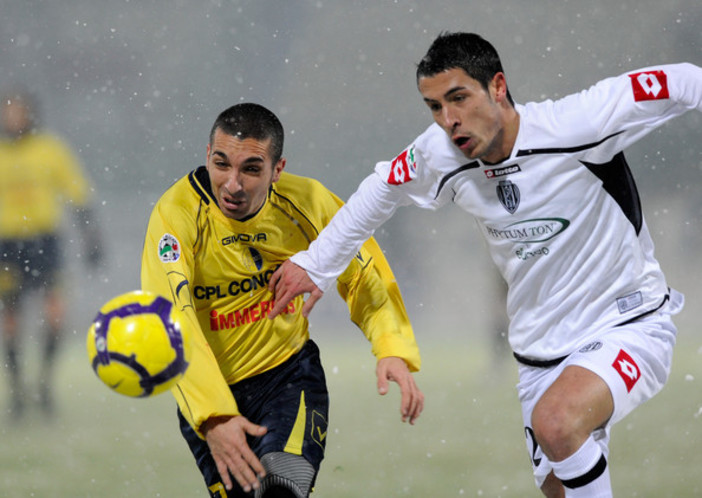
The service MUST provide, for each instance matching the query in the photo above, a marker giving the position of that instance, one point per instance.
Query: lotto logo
(627, 369)
(651, 85)
(403, 168)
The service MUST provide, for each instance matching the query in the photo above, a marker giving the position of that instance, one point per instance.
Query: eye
(434, 106)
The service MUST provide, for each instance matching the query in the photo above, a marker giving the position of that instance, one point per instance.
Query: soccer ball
(138, 345)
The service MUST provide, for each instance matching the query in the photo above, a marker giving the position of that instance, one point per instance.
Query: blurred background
(135, 86)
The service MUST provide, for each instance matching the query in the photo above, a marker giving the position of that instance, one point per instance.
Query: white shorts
(633, 359)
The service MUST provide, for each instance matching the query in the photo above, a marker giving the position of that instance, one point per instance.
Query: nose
(450, 118)
(233, 183)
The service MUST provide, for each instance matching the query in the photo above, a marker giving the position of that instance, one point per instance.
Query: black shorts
(273, 399)
(27, 265)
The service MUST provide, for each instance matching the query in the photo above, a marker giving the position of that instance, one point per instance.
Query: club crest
(508, 194)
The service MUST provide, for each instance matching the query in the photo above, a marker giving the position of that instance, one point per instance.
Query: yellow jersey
(216, 269)
(38, 175)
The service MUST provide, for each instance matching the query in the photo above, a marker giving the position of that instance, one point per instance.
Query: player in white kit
(590, 310)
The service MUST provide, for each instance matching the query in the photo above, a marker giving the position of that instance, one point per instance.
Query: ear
(278, 169)
(498, 87)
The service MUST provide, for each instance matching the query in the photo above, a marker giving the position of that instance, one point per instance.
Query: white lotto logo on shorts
(168, 248)
(627, 368)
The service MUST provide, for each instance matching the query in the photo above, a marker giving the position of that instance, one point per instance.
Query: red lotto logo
(402, 168)
(651, 85)
(627, 368)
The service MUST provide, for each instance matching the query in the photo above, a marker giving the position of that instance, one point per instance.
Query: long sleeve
(167, 269)
(366, 210)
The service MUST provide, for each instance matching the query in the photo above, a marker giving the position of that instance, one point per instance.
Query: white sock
(585, 473)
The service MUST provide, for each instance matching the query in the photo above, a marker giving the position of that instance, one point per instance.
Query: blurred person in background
(253, 405)
(589, 306)
(40, 177)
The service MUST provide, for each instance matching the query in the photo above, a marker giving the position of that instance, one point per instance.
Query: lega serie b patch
(168, 248)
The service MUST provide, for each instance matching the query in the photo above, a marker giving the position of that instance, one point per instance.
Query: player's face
(471, 115)
(241, 172)
(15, 118)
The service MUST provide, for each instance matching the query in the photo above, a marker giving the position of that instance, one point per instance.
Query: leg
(552, 487)
(54, 311)
(575, 405)
(10, 320)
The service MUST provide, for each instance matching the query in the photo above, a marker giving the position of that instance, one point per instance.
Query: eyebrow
(450, 92)
(250, 159)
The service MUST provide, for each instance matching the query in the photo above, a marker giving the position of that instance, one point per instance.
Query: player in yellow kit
(253, 404)
(39, 177)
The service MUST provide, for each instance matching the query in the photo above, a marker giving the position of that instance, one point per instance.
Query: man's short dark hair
(248, 120)
(467, 51)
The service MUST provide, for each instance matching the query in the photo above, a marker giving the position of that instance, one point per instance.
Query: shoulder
(306, 196)
(186, 193)
(301, 189)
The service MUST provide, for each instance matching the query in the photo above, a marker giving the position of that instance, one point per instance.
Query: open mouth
(461, 141)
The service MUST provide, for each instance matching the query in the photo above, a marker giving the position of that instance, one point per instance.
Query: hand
(226, 437)
(288, 282)
(395, 369)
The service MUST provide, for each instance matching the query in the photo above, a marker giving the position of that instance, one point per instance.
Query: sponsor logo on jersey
(235, 287)
(244, 237)
(403, 168)
(498, 172)
(509, 196)
(530, 231)
(649, 85)
(627, 369)
(244, 316)
(168, 248)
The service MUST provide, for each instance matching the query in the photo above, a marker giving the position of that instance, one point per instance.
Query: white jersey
(561, 215)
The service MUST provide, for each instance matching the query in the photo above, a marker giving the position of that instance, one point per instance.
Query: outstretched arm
(395, 369)
(315, 270)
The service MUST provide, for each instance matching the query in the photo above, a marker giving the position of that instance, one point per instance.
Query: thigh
(294, 408)
(291, 400)
(634, 362)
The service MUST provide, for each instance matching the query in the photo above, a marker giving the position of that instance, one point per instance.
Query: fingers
(412, 398)
(232, 454)
(412, 403)
(315, 296)
(288, 282)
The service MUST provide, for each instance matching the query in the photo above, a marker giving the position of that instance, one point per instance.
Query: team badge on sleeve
(403, 168)
(649, 85)
(168, 248)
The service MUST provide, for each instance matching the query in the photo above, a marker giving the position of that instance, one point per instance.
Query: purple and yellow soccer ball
(138, 344)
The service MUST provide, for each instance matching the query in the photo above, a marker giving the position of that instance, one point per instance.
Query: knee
(556, 430)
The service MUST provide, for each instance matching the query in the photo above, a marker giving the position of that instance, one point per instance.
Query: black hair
(467, 51)
(248, 120)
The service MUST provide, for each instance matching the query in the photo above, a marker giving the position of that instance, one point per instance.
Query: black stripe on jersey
(292, 219)
(198, 178)
(565, 150)
(474, 164)
(618, 182)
